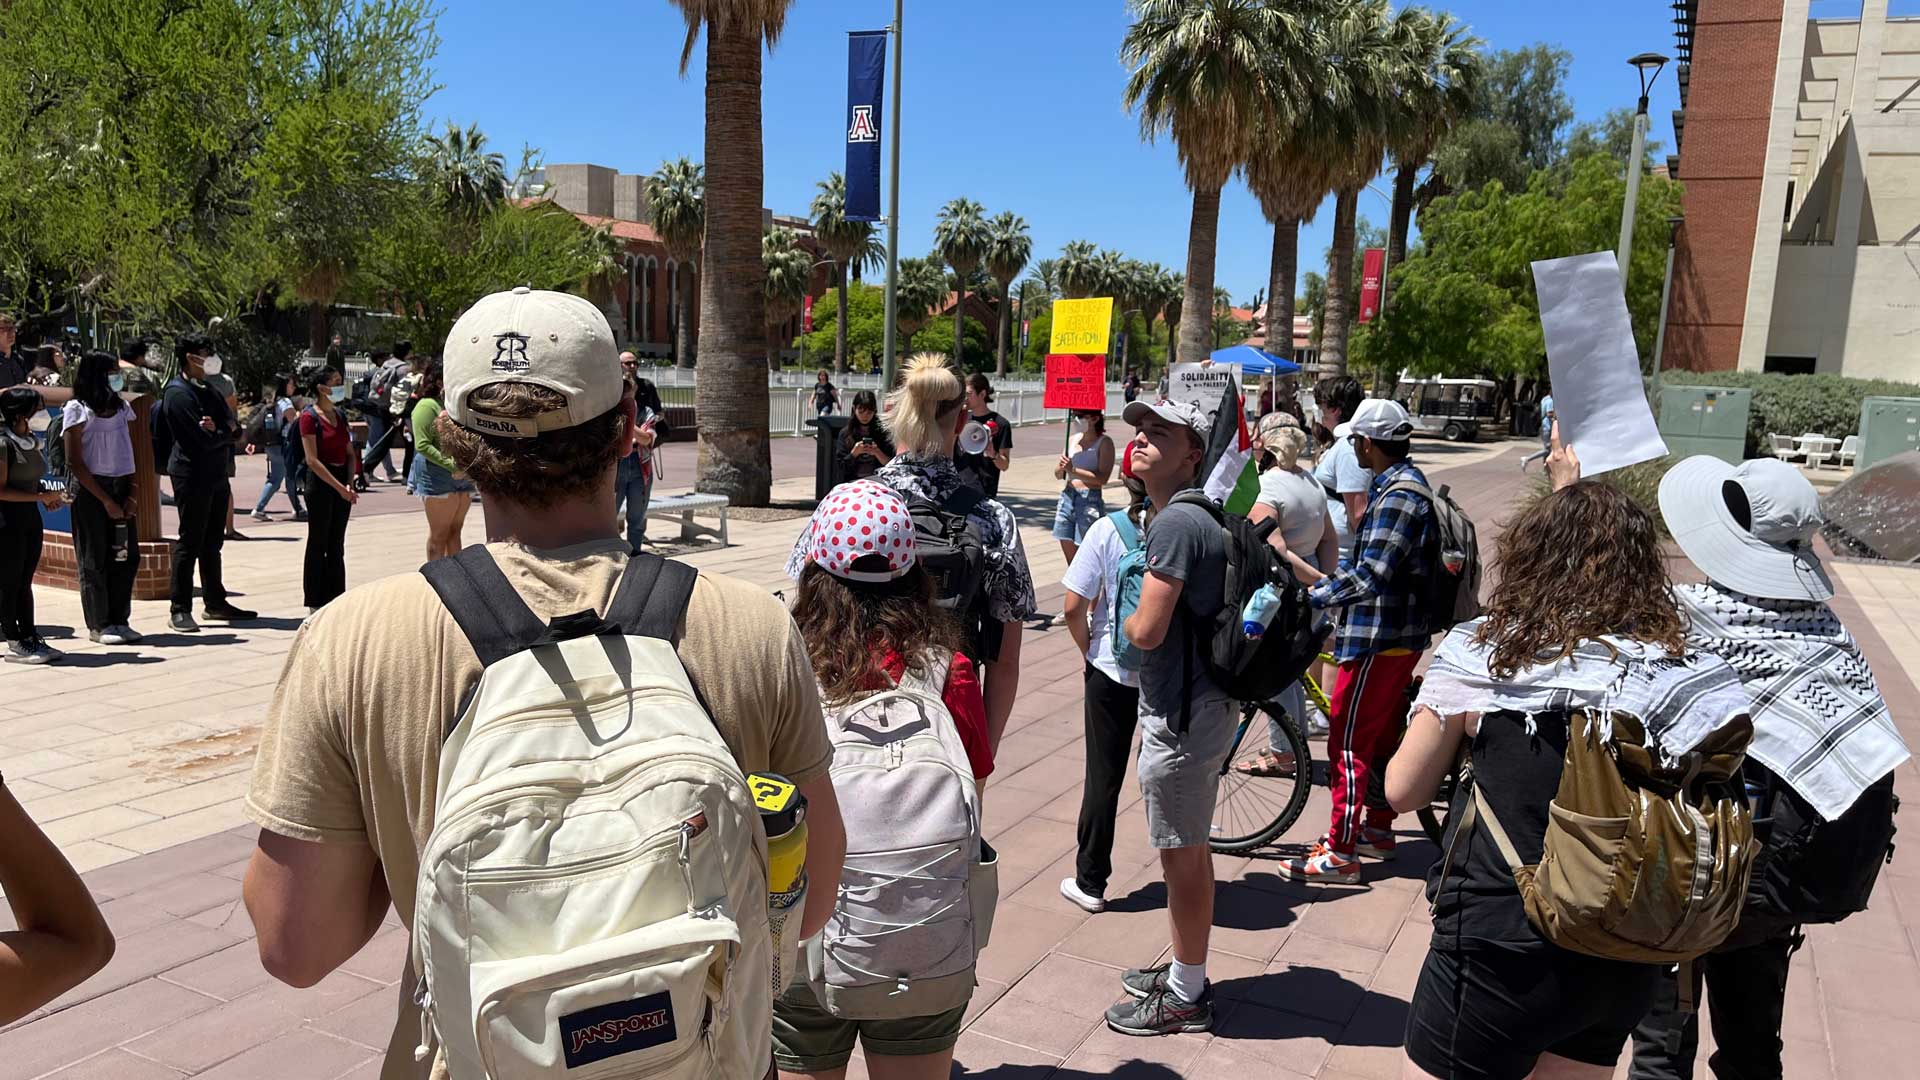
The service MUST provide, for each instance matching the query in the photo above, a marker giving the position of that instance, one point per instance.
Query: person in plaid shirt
(1384, 627)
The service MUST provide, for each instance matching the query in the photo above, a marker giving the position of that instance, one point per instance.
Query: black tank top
(1517, 775)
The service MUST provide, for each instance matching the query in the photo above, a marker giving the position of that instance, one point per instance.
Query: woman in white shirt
(1111, 705)
(99, 451)
(1290, 496)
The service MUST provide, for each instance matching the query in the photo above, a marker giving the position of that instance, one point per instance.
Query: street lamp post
(888, 364)
(1649, 66)
(1660, 333)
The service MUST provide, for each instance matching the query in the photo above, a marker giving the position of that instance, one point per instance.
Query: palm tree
(1174, 285)
(1441, 75)
(1209, 73)
(961, 238)
(467, 179)
(1078, 275)
(677, 203)
(1132, 291)
(1369, 47)
(846, 241)
(1046, 275)
(789, 277)
(736, 456)
(1008, 249)
(1290, 177)
(919, 289)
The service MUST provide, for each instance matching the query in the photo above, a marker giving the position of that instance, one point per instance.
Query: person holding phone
(331, 468)
(864, 444)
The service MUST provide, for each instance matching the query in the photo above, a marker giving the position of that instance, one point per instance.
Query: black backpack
(1810, 870)
(1453, 586)
(1254, 669)
(57, 467)
(295, 446)
(948, 545)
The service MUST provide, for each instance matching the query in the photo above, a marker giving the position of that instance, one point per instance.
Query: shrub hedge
(1796, 404)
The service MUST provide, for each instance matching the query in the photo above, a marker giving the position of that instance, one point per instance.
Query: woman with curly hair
(868, 619)
(1584, 620)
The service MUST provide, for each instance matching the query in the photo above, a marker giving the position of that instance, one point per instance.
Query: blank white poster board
(1598, 395)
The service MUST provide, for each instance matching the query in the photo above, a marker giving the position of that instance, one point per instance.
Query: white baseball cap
(1771, 555)
(1381, 418)
(1184, 413)
(556, 340)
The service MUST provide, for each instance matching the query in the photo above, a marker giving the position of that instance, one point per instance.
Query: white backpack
(593, 897)
(916, 895)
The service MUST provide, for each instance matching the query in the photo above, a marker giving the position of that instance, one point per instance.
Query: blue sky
(1016, 104)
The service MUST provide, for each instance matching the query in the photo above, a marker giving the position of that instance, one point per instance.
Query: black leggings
(1112, 711)
(20, 537)
(325, 576)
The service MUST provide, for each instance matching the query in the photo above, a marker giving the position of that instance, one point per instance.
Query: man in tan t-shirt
(344, 786)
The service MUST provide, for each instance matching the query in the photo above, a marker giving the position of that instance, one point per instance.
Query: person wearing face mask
(99, 451)
(1086, 470)
(22, 467)
(331, 468)
(200, 430)
(222, 384)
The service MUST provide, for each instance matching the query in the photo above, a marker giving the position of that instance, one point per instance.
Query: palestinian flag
(1232, 480)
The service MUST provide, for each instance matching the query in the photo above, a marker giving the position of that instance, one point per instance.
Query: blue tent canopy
(1253, 361)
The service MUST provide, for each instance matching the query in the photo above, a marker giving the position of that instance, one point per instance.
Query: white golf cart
(1453, 409)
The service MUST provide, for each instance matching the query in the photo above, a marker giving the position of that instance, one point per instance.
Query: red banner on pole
(1076, 382)
(1373, 267)
(806, 310)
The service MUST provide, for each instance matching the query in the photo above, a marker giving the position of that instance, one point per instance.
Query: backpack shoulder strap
(652, 596)
(496, 621)
(1196, 498)
(1123, 524)
(964, 500)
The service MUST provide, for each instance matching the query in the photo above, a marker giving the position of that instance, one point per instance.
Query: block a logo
(862, 129)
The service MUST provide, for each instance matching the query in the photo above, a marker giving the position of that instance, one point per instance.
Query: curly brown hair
(847, 624)
(1582, 562)
(569, 463)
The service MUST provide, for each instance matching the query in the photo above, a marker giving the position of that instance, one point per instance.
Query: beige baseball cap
(556, 340)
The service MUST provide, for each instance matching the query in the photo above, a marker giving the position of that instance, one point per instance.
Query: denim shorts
(1077, 512)
(807, 1038)
(428, 480)
(1180, 771)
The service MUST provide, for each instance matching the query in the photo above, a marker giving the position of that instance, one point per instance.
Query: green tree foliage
(866, 326)
(1464, 302)
(1610, 136)
(166, 161)
(1520, 112)
(976, 350)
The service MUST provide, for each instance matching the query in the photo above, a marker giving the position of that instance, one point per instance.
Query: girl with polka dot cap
(865, 610)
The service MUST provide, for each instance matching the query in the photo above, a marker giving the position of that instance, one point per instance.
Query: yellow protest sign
(1080, 327)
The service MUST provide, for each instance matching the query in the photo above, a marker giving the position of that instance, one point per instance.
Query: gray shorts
(1180, 774)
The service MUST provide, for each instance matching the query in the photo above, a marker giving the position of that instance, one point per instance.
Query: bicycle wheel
(1252, 810)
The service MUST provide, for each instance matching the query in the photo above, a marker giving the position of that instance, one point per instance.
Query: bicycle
(1252, 809)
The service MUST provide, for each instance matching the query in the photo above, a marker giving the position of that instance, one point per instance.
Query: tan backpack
(1644, 862)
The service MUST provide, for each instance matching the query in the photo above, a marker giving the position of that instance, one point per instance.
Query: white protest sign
(1203, 386)
(1598, 397)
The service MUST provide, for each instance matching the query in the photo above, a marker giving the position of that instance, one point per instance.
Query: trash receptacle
(826, 469)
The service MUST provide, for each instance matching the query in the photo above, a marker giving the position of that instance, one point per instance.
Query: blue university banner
(866, 80)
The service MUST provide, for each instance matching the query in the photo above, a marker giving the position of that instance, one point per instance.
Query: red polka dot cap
(863, 532)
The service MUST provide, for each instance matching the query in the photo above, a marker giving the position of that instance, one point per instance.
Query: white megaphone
(975, 438)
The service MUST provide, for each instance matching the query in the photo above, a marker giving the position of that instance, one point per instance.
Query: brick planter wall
(59, 570)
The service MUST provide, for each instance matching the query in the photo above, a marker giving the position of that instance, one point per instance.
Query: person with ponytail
(925, 414)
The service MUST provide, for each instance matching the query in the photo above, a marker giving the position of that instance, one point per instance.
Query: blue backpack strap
(1123, 524)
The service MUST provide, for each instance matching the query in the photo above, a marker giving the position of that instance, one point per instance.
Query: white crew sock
(1187, 981)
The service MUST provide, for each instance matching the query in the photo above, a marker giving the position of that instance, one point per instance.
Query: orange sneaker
(1322, 866)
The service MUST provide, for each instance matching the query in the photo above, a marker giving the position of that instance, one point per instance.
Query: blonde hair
(928, 391)
(1282, 437)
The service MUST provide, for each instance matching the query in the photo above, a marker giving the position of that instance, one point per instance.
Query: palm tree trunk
(1006, 328)
(1401, 221)
(683, 328)
(1173, 343)
(1339, 312)
(735, 453)
(840, 330)
(959, 316)
(1280, 275)
(1202, 238)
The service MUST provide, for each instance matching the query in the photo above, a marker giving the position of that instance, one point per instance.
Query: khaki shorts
(1180, 772)
(807, 1038)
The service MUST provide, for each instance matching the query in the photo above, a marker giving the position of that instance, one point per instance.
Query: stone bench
(686, 506)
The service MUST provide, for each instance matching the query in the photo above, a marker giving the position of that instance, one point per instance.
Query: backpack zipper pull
(423, 998)
(689, 829)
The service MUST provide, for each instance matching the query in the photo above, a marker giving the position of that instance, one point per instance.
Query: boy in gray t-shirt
(1186, 722)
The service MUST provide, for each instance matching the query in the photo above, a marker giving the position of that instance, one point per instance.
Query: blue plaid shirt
(1381, 589)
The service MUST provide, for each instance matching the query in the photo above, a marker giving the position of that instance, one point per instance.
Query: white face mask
(211, 365)
(337, 393)
(1082, 425)
(116, 382)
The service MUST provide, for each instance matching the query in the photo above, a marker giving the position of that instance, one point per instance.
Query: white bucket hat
(1772, 555)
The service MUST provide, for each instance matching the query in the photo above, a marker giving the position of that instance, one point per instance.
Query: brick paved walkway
(1311, 984)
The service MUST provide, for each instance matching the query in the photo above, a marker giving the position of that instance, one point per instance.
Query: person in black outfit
(22, 468)
(332, 468)
(984, 469)
(99, 452)
(13, 366)
(864, 443)
(201, 431)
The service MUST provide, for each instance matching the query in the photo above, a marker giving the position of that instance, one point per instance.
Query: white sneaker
(1081, 898)
(110, 636)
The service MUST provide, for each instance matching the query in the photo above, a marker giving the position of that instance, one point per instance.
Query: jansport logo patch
(622, 1027)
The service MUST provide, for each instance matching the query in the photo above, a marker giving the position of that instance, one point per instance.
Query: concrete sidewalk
(136, 765)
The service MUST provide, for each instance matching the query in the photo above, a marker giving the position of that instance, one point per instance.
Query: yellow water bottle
(783, 812)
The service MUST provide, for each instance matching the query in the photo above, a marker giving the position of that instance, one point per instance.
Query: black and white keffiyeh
(1819, 721)
(1680, 701)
